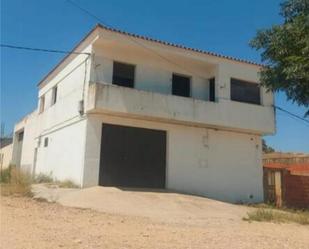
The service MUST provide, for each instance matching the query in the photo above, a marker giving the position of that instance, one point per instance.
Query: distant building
(286, 179)
(285, 158)
(6, 148)
(4, 141)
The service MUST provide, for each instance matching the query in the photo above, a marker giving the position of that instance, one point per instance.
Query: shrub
(5, 174)
(43, 178)
(277, 215)
(66, 184)
(15, 182)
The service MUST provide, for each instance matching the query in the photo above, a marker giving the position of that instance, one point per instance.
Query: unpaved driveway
(159, 205)
(133, 219)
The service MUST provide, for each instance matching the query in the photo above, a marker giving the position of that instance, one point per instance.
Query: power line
(292, 114)
(283, 114)
(40, 49)
(132, 39)
(88, 12)
(140, 44)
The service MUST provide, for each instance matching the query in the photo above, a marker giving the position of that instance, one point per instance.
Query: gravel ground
(28, 223)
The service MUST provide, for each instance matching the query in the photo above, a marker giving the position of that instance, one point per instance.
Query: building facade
(126, 110)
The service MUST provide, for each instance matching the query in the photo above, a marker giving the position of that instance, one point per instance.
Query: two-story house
(130, 111)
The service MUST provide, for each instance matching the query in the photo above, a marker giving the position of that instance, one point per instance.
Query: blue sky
(222, 26)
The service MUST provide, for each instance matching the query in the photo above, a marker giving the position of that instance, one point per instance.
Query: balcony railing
(225, 114)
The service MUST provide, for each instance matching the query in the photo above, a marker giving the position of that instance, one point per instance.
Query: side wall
(54, 139)
(63, 157)
(218, 164)
(58, 152)
(295, 190)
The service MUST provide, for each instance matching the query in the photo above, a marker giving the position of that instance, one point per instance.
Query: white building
(126, 110)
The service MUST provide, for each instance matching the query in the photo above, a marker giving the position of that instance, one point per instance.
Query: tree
(266, 148)
(285, 51)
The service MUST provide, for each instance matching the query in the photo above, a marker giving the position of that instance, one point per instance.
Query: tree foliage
(266, 148)
(285, 51)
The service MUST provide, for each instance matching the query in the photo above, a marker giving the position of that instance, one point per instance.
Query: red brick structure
(287, 184)
(295, 190)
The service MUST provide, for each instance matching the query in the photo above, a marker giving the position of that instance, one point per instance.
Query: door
(132, 157)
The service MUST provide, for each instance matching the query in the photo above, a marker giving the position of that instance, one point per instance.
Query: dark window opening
(54, 95)
(212, 89)
(123, 74)
(46, 142)
(181, 85)
(20, 136)
(244, 91)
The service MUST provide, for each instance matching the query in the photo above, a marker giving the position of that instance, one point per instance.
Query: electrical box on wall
(81, 107)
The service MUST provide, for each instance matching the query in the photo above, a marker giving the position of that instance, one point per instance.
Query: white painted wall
(154, 73)
(151, 72)
(63, 158)
(6, 156)
(218, 164)
(224, 114)
(61, 123)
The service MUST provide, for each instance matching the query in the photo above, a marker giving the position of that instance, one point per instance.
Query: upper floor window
(42, 104)
(20, 136)
(46, 142)
(212, 89)
(54, 95)
(181, 85)
(123, 74)
(244, 91)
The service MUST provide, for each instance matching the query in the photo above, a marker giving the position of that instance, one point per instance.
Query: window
(212, 89)
(244, 91)
(46, 142)
(181, 85)
(123, 74)
(20, 136)
(54, 95)
(42, 103)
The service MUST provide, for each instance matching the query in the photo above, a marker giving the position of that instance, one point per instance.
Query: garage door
(132, 157)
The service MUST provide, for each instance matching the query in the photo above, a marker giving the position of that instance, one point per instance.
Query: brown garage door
(132, 157)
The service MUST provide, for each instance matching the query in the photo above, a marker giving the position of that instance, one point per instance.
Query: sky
(220, 26)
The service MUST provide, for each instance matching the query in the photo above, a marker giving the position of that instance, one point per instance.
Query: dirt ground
(28, 223)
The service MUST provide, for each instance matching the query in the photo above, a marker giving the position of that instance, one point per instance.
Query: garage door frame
(112, 171)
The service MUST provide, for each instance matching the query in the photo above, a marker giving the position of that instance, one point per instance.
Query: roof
(297, 168)
(151, 40)
(4, 141)
(179, 46)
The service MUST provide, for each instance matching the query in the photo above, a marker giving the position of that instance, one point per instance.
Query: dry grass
(279, 216)
(43, 178)
(49, 181)
(66, 184)
(15, 182)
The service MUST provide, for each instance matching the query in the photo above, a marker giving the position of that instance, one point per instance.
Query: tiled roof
(4, 141)
(293, 168)
(179, 46)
